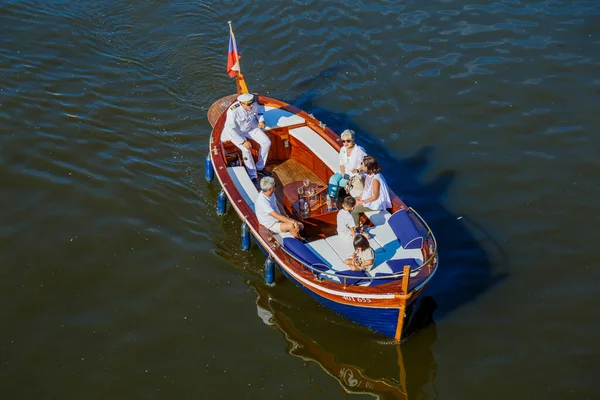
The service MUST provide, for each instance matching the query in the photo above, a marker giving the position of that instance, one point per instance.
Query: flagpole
(237, 59)
(240, 81)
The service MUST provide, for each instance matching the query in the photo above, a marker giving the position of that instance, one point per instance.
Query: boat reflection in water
(359, 360)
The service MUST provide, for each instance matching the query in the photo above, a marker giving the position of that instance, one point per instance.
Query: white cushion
(276, 118)
(319, 146)
(325, 251)
(242, 181)
(378, 217)
(344, 248)
(384, 236)
(341, 246)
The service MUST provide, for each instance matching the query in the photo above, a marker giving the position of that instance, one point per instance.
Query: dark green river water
(119, 281)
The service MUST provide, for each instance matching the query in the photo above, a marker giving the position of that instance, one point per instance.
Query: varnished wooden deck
(287, 172)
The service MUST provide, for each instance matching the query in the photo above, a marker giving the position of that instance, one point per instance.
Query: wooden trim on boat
(400, 324)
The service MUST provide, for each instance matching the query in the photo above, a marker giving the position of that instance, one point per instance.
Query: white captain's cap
(246, 98)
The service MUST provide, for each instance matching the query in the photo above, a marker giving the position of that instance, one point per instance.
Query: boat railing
(319, 273)
(432, 259)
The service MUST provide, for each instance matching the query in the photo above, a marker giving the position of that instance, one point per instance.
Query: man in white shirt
(268, 213)
(245, 121)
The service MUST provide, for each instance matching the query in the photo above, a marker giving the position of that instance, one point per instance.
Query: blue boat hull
(382, 320)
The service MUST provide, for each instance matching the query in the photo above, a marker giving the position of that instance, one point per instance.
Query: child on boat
(346, 227)
(363, 257)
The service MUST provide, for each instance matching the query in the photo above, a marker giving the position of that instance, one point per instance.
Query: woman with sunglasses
(351, 155)
(376, 194)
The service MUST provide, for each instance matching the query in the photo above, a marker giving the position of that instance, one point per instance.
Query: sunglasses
(347, 141)
(248, 103)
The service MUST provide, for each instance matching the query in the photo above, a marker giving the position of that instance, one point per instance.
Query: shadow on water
(471, 260)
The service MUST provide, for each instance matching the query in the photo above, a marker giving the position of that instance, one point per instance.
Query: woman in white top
(376, 194)
(351, 155)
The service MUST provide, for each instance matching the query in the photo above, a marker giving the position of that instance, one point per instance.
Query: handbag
(355, 185)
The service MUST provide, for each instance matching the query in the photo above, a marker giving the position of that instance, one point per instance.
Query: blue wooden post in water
(209, 172)
(222, 203)
(270, 271)
(245, 237)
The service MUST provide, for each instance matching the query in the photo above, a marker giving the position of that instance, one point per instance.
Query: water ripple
(484, 111)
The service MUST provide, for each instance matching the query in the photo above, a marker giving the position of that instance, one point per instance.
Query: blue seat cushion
(405, 230)
(397, 266)
(320, 267)
(300, 251)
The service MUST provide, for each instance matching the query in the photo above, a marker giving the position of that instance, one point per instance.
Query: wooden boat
(303, 147)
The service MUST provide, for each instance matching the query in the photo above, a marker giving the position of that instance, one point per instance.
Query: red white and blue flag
(233, 57)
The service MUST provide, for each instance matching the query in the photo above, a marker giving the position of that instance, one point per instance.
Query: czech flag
(233, 57)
